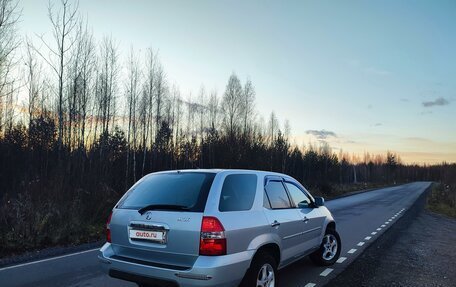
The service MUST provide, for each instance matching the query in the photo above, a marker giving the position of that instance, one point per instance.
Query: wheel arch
(270, 248)
(331, 225)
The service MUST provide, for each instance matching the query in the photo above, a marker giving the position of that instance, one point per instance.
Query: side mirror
(319, 201)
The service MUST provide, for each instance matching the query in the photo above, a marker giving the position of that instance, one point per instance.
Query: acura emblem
(148, 216)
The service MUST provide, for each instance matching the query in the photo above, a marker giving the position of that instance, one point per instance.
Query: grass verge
(442, 199)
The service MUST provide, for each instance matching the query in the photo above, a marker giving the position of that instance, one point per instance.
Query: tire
(262, 272)
(329, 250)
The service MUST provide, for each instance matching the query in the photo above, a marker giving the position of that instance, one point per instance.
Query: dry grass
(329, 191)
(442, 199)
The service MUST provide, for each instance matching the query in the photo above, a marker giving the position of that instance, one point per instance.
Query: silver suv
(216, 228)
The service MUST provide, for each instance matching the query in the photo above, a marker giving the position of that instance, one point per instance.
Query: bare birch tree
(148, 94)
(232, 105)
(159, 96)
(213, 109)
(88, 65)
(132, 93)
(106, 88)
(64, 24)
(9, 17)
(248, 106)
(33, 81)
(143, 121)
(273, 128)
(160, 86)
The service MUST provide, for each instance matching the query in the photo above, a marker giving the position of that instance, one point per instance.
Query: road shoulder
(47, 253)
(416, 251)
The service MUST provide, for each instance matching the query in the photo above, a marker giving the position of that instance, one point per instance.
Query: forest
(79, 124)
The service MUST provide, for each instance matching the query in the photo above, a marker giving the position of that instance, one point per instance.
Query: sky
(363, 76)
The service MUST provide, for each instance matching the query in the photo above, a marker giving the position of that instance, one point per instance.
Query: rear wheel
(262, 272)
(329, 250)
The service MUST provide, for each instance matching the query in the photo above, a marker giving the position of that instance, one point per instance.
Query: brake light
(212, 238)
(108, 229)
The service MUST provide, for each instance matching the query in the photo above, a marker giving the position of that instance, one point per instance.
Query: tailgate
(168, 239)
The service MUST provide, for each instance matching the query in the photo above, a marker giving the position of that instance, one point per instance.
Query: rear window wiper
(163, 207)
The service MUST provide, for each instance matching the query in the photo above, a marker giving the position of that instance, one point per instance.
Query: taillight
(108, 229)
(212, 239)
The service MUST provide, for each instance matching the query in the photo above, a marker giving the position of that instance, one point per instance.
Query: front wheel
(329, 250)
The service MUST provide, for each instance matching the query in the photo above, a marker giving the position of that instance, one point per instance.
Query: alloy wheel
(330, 247)
(266, 276)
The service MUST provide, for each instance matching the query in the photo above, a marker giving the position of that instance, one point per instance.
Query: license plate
(158, 236)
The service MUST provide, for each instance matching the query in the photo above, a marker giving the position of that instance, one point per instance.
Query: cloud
(376, 71)
(418, 140)
(405, 100)
(354, 63)
(322, 134)
(358, 65)
(437, 102)
(377, 124)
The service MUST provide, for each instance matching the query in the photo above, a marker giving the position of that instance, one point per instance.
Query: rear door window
(188, 189)
(238, 192)
(277, 195)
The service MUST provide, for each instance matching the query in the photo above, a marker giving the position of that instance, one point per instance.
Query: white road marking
(367, 238)
(383, 225)
(373, 233)
(360, 243)
(341, 259)
(48, 259)
(390, 220)
(310, 285)
(378, 229)
(326, 272)
(351, 251)
(387, 222)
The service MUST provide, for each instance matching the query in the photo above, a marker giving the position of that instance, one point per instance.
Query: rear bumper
(225, 270)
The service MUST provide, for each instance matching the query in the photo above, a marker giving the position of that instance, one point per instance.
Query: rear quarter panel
(244, 230)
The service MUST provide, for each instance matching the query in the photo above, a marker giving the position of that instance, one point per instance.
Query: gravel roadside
(416, 251)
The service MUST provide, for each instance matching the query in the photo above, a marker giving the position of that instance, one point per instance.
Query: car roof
(218, 170)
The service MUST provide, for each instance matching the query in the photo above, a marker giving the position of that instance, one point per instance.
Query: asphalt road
(361, 218)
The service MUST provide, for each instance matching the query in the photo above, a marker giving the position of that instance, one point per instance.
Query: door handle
(305, 220)
(275, 223)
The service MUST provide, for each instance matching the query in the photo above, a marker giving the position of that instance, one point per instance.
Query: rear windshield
(189, 189)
